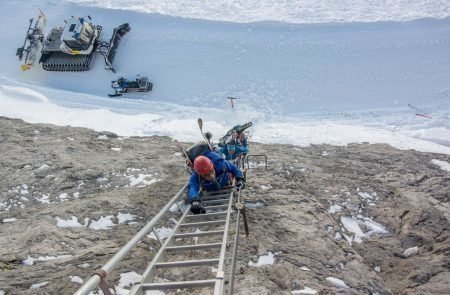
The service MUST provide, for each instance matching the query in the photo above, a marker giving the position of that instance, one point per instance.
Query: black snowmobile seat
(133, 84)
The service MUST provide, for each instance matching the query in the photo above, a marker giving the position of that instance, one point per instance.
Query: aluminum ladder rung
(215, 197)
(178, 285)
(171, 249)
(218, 193)
(201, 223)
(216, 207)
(207, 215)
(215, 201)
(199, 234)
(196, 262)
(194, 247)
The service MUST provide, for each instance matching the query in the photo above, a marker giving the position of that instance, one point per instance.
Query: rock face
(360, 219)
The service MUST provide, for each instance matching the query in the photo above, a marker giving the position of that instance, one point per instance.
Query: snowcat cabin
(78, 36)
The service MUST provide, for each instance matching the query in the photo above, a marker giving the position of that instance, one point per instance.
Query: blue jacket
(222, 167)
(239, 149)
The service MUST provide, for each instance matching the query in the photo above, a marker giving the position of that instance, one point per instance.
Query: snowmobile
(74, 46)
(122, 85)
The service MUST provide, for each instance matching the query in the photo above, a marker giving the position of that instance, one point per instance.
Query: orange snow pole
(231, 100)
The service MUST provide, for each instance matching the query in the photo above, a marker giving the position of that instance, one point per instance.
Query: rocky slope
(333, 219)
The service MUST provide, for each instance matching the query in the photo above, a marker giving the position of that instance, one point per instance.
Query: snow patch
(176, 208)
(72, 222)
(411, 251)
(76, 279)
(441, 164)
(305, 290)
(338, 283)
(334, 208)
(102, 223)
(30, 260)
(127, 280)
(141, 180)
(23, 94)
(124, 217)
(251, 205)
(268, 259)
(352, 226)
(37, 286)
(44, 199)
(63, 196)
(365, 195)
(163, 233)
(266, 187)
(83, 265)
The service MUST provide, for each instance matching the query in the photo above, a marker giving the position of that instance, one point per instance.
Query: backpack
(198, 149)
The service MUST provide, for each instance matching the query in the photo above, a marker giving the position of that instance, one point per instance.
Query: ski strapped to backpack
(184, 153)
(236, 129)
(200, 148)
(200, 125)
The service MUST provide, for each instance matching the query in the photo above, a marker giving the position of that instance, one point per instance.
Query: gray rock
(376, 186)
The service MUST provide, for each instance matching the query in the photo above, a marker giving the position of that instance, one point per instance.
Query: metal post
(233, 255)
(157, 237)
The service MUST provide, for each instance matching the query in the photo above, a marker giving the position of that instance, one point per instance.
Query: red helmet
(203, 165)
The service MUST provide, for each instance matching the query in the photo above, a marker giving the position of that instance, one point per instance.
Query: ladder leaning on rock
(181, 249)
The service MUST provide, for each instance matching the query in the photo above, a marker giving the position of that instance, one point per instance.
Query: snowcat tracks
(117, 35)
(62, 62)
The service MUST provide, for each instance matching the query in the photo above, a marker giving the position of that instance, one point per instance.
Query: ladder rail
(220, 277)
(150, 271)
(95, 279)
(235, 246)
(160, 259)
(186, 220)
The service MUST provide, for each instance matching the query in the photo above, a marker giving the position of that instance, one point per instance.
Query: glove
(196, 207)
(240, 183)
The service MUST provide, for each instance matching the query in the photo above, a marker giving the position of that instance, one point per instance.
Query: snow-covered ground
(305, 11)
(303, 73)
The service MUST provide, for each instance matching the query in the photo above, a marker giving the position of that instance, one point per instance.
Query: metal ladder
(178, 254)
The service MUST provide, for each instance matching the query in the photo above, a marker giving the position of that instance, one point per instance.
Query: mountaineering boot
(197, 208)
